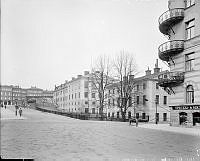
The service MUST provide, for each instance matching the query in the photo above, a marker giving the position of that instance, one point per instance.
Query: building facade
(147, 99)
(77, 95)
(181, 24)
(11, 95)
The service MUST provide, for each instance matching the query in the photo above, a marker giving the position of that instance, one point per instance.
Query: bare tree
(101, 79)
(124, 71)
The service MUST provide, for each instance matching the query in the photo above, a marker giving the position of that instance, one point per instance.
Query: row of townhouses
(11, 95)
(80, 96)
(181, 25)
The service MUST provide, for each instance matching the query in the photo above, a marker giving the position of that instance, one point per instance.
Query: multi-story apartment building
(181, 24)
(147, 99)
(77, 95)
(6, 95)
(11, 95)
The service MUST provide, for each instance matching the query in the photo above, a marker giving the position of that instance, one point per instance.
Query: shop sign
(186, 107)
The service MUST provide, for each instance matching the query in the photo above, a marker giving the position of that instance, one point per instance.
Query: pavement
(9, 114)
(46, 136)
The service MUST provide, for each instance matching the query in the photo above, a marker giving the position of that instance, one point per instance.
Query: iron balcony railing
(170, 79)
(170, 48)
(169, 17)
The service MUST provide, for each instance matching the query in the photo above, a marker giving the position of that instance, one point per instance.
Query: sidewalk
(166, 127)
(9, 114)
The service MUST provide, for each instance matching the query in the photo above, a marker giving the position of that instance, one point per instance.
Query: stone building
(147, 99)
(181, 25)
(77, 95)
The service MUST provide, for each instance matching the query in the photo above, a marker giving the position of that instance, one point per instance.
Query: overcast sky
(45, 42)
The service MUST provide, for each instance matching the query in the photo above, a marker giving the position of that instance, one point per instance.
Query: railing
(171, 45)
(170, 79)
(173, 13)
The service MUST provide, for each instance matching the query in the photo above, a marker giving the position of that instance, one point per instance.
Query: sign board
(186, 107)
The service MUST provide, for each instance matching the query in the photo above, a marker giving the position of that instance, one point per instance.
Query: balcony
(170, 79)
(170, 18)
(169, 49)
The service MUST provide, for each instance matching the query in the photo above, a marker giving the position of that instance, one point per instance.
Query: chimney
(156, 69)
(148, 72)
(86, 72)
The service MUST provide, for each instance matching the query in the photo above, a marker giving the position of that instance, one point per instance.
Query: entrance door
(196, 118)
(182, 117)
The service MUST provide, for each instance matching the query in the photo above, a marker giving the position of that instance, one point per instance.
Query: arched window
(189, 94)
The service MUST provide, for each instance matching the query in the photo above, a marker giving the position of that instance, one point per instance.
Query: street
(45, 136)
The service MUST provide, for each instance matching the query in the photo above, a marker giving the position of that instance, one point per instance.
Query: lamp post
(156, 117)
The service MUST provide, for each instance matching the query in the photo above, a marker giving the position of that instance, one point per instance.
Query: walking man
(136, 122)
(20, 111)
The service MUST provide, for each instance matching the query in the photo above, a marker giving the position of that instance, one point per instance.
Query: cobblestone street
(45, 136)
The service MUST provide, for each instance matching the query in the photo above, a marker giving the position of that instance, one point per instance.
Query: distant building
(181, 25)
(77, 95)
(147, 99)
(11, 95)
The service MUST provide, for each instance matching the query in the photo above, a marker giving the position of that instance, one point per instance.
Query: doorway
(182, 117)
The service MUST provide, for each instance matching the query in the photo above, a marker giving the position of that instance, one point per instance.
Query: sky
(45, 42)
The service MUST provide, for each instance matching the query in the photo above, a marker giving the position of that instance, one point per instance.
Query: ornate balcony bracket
(170, 49)
(169, 18)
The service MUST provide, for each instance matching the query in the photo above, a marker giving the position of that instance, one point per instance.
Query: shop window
(143, 115)
(189, 94)
(182, 117)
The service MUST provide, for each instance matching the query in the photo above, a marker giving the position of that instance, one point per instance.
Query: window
(144, 99)
(189, 29)
(113, 91)
(164, 116)
(108, 102)
(157, 117)
(130, 102)
(189, 62)
(129, 114)
(79, 95)
(117, 114)
(86, 110)
(113, 102)
(165, 100)
(189, 94)
(113, 114)
(93, 110)
(143, 115)
(157, 99)
(86, 94)
(93, 103)
(93, 95)
(138, 100)
(86, 84)
(138, 87)
(157, 86)
(144, 85)
(189, 3)
(86, 102)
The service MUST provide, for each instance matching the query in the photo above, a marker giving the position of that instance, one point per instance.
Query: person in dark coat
(20, 111)
(16, 109)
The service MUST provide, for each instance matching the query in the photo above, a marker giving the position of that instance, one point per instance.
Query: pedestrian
(20, 111)
(136, 122)
(5, 106)
(16, 108)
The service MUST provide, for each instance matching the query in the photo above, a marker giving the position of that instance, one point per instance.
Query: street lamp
(156, 117)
